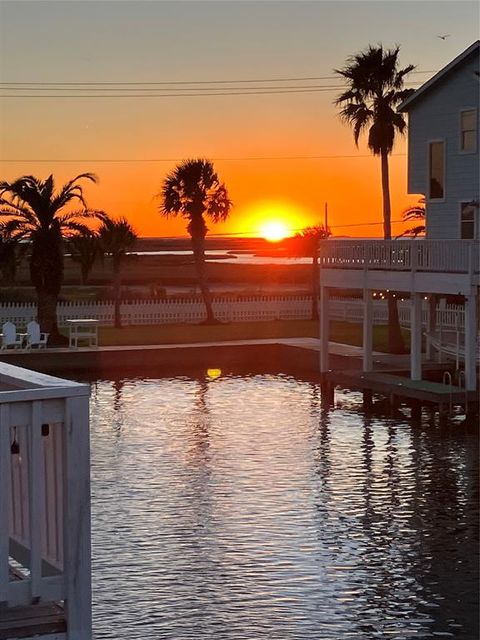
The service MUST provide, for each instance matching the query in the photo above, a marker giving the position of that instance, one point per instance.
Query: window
(436, 170)
(468, 130)
(467, 221)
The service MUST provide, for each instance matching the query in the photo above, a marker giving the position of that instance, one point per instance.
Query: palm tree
(417, 212)
(116, 237)
(85, 248)
(192, 190)
(306, 243)
(375, 89)
(12, 250)
(34, 210)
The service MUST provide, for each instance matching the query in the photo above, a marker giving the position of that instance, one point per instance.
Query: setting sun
(274, 230)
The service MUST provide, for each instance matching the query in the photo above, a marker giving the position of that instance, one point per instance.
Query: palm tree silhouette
(116, 237)
(84, 248)
(34, 210)
(375, 89)
(416, 212)
(306, 243)
(192, 190)
(12, 250)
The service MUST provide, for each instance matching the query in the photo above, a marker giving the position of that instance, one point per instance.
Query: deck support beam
(470, 343)
(416, 337)
(367, 331)
(431, 323)
(324, 328)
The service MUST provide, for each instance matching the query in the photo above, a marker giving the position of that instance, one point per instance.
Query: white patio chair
(35, 338)
(10, 337)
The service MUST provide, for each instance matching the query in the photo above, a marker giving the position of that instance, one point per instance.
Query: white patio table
(83, 330)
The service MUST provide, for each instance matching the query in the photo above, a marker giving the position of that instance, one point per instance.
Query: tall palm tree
(85, 248)
(34, 209)
(116, 237)
(375, 89)
(306, 243)
(192, 190)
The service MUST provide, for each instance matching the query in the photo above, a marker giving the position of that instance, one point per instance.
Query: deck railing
(446, 256)
(45, 495)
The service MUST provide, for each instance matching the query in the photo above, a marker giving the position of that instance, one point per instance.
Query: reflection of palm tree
(116, 237)
(375, 89)
(38, 213)
(306, 243)
(192, 190)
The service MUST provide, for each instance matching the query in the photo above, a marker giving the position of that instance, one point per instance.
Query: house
(443, 164)
(443, 147)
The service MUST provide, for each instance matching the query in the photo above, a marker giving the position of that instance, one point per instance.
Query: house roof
(421, 91)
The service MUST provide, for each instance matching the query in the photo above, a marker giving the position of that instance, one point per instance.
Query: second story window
(468, 130)
(467, 221)
(436, 189)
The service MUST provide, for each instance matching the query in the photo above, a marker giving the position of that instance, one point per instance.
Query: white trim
(427, 194)
(466, 152)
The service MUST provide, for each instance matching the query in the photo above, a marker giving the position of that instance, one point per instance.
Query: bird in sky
(444, 37)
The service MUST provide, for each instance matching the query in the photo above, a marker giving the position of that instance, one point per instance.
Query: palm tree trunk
(198, 247)
(47, 316)
(395, 338)
(315, 287)
(117, 282)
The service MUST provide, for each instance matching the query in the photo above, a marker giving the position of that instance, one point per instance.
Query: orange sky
(125, 42)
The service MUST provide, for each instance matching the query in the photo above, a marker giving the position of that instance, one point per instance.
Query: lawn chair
(10, 337)
(35, 338)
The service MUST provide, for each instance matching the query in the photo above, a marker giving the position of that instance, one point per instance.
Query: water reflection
(241, 507)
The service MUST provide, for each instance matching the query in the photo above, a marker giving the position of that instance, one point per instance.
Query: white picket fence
(226, 308)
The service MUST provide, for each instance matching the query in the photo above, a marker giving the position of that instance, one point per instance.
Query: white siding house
(443, 162)
(443, 147)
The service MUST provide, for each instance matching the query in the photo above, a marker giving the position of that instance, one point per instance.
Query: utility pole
(326, 217)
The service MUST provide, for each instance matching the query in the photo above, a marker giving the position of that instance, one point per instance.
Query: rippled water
(236, 508)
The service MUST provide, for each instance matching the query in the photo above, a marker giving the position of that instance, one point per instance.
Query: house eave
(421, 91)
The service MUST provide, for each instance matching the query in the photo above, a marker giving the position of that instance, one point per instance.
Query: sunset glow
(274, 231)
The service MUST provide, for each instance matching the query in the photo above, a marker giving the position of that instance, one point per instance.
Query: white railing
(45, 494)
(227, 309)
(446, 256)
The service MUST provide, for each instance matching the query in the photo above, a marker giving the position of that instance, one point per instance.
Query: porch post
(367, 330)
(416, 336)
(77, 554)
(324, 328)
(431, 323)
(470, 343)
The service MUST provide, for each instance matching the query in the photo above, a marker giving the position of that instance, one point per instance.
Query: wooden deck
(389, 384)
(33, 621)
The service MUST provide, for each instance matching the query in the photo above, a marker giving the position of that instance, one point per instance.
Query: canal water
(235, 507)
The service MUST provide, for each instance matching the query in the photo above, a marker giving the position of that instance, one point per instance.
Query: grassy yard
(345, 332)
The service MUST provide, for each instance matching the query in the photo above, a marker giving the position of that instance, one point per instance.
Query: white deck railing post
(77, 548)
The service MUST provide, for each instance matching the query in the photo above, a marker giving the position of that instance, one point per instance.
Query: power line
(270, 88)
(175, 82)
(174, 95)
(146, 160)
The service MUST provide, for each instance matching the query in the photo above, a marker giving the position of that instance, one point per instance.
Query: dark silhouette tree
(416, 212)
(85, 249)
(192, 190)
(33, 209)
(116, 237)
(306, 243)
(12, 250)
(375, 89)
